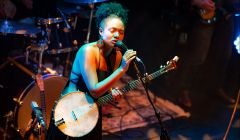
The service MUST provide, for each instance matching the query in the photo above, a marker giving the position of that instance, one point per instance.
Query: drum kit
(19, 85)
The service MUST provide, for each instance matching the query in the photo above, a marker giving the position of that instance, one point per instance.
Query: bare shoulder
(88, 48)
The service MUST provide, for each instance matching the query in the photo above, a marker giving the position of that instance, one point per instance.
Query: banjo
(76, 113)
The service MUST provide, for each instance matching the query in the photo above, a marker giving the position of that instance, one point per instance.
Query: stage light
(237, 43)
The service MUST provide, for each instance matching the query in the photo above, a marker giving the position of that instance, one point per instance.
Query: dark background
(153, 30)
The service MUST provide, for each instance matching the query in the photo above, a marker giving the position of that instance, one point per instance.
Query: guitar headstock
(171, 65)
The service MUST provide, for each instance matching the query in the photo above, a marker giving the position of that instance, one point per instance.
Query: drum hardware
(15, 79)
(39, 47)
(48, 29)
(27, 128)
(42, 46)
(68, 64)
(57, 32)
(35, 47)
(18, 28)
(91, 5)
(39, 81)
(30, 127)
(38, 78)
(60, 51)
(74, 24)
(64, 19)
(35, 125)
(27, 55)
(79, 12)
(49, 21)
(4, 64)
(9, 117)
(84, 1)
(44, 68)
(17, 101)
(20, 66)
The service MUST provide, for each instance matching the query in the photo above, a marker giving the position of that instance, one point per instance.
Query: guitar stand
(34, 128)
(30, 128)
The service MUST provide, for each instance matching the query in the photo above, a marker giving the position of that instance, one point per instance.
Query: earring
(100, 43)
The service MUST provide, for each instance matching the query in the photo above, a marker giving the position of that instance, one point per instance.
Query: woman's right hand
(128, 56)
(205, 4)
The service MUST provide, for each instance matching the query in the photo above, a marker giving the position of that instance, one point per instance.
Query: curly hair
(106, 10)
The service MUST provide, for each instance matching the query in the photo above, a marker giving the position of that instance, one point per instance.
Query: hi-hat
(84, 1)
(14, 27)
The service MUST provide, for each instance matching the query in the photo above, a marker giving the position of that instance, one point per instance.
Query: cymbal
(43, 21)
(18, 28)
(77, 11)
(84, 1)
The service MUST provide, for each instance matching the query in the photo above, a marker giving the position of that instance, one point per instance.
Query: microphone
(121, 45)
(38, 113)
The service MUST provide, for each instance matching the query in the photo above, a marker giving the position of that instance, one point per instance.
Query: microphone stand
(164, 134)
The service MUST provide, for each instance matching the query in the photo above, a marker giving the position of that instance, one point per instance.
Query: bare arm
(86, 63)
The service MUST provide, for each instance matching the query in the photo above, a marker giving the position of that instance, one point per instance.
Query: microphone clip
(146, 78)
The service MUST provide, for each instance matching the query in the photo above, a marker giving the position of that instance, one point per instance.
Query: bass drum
(19, 90)
(53, 85)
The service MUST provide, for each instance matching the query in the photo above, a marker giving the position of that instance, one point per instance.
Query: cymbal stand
(42, 45)
(67, 66)
(91, 5)
(27, 55)
(34, 128)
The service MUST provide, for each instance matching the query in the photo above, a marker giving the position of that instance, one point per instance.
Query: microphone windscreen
(121, 45)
